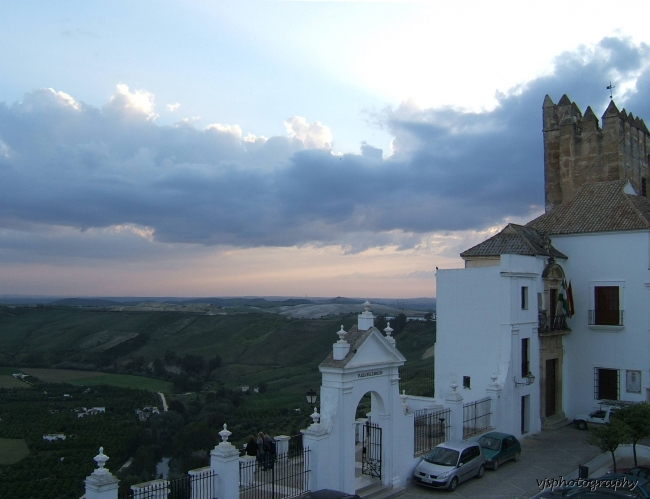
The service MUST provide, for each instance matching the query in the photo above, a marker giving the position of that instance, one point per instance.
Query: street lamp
(311, 396)
(529, 379)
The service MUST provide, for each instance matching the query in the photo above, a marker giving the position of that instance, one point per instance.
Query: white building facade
(502, 316)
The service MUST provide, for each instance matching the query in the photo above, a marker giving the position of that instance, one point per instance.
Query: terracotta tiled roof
(355, 338)
(515, 240)
(597, 207)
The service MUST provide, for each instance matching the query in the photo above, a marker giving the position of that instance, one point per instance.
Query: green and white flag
(562, 298)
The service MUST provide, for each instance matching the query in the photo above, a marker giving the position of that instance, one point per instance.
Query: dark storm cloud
(66, 164)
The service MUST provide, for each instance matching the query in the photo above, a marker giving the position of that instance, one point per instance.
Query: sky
(295, 148)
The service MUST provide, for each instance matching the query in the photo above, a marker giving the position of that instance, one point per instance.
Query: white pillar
(282, 444)
(454, 401)
(315, 438)
(360, 422)
(224, 461)
(101, 484)
(494, 392)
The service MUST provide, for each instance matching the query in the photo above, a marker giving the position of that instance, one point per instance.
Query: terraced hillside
(189, 349)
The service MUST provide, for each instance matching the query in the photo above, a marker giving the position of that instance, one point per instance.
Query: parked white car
(601, 416)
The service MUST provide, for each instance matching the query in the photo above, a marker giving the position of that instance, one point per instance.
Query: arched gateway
(362, 361)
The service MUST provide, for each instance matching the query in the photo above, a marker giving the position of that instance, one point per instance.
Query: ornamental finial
(101, 459)
(225, 433)
(341, 334)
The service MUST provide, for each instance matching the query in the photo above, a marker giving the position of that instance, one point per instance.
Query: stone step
(555, 424)
(375, 490)
(367, 485)
(390, 493)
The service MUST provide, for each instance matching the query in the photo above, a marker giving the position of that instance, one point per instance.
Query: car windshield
(442, 456)
(490, 443)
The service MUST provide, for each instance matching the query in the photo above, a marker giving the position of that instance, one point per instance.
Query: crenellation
(577, 150)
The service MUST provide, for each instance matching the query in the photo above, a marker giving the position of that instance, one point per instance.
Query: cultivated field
(92, 378)
(12, 450)
(8, 381)
(60, 375)
(125, 381)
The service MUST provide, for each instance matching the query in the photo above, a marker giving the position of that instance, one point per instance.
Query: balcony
(555, 323)
(602, 317)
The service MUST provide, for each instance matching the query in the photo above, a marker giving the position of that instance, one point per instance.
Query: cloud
(314, 136)
(173, 107)
(234, 130)
(65, 164)
(139, 101)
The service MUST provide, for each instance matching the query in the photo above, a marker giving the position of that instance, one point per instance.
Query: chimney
(341, 347)
(365, 319)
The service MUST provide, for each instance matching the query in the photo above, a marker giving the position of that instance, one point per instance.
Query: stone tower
(578, 151)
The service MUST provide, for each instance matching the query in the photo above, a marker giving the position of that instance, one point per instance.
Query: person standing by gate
(269, 452)
(260, 450)
(251, 447)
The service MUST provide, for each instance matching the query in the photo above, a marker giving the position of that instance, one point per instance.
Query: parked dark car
(498, 448)
(640, 471)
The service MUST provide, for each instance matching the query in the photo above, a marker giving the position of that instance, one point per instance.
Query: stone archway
(364, 360)
(368, 442)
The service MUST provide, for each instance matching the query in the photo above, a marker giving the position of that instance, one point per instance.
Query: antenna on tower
(611, 87)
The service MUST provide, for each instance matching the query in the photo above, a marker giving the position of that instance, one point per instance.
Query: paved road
(549, 454)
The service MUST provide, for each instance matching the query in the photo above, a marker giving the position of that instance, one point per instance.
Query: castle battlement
(577, 150)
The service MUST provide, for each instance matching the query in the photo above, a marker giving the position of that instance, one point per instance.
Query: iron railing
(430, 429)
(605, 317)
(198, 485)
(418, 382)
(295, 445)
(476, 417)
(279, 476)
(546, 324)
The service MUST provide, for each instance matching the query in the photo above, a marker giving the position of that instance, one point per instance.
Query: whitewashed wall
(479, 331)
(616, 258)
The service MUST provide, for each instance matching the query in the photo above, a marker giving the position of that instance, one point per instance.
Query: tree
(380, 322)
(193, 363)
(214, 363)
(158, 367)
(637, 419)
(398, 323)
(177, 406)
(171, 358)
(609, 436)
(261, 387)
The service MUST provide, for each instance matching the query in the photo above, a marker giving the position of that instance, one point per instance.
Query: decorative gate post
(494, 392)
(224, 461)
(315, 439)
(455, 402)
(101, 484)
(282, 444)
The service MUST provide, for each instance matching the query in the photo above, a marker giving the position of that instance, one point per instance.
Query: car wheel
(453, 484)
(481, 471)
(516, 458)
(495, 465)
(582, 425)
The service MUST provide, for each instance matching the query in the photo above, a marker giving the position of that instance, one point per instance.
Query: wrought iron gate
(371, 451)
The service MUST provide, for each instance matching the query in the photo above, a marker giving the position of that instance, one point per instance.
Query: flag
(561, 298)
(569, 299)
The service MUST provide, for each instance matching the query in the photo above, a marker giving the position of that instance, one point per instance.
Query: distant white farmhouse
(54, 436)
